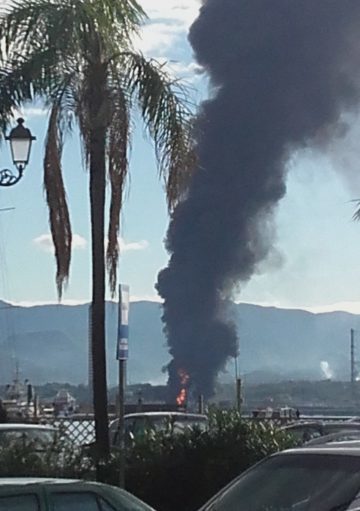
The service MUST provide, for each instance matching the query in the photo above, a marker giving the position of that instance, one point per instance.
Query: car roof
(338, 450)
(16, 481)
(21, 426)
(302, 424)
(166, 414)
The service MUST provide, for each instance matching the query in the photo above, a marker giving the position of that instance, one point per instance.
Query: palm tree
(78, 57)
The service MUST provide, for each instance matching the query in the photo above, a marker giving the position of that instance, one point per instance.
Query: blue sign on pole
(122, 352)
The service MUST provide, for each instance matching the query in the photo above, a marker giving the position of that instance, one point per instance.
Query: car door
(21, 498)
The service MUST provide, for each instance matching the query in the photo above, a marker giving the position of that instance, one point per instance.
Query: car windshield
(174, 423)
(177, 423)
(301, 482)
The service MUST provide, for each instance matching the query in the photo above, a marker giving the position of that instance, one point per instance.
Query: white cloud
(182, 11)
(187, 73)
(45, 243)
(35, 112)
(28, 112)
(132, 246)
(157, 37)
(167, 23)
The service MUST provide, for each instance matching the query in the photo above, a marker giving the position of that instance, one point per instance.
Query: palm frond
(168, 118)
(29, 24)
(22, 79)
(126, 16)
(118, 144)
(59, 217)
(356, 215)
(69, 26)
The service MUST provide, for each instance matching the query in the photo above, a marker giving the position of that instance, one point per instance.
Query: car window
(79, 501)
(75, 502)
(19, 503)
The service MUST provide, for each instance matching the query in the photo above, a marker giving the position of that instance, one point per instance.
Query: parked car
(39, 436)
(137, 424)
(303, 479)
(308, 430)
(337, 438)
(28, 494)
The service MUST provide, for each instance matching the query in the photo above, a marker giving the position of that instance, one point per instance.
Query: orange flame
(184, 379)
(181, 399)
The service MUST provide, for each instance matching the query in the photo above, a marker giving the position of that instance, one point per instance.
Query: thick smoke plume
(282, 73)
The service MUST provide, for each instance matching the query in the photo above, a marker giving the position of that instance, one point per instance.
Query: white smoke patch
(325, 368)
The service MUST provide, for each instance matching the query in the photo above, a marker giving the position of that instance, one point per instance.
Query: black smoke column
(282, 72)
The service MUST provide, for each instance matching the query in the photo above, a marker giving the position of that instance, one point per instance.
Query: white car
(36, 435)
(136, 424)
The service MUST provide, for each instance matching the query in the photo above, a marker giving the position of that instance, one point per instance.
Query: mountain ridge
(50, 342)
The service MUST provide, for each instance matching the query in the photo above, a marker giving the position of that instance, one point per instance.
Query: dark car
(307, 479)
(30, 494)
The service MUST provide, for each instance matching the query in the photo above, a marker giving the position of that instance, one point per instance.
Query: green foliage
(169, 471)
(180, 472)
(63, 459)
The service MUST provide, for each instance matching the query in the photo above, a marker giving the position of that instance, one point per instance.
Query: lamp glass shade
(20, 150)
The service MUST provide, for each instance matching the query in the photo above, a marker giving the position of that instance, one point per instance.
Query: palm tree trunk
(97, 205)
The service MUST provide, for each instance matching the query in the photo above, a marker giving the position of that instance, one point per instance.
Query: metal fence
(80, 430)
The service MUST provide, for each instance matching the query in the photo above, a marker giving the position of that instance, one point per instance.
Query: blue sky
(315, 264)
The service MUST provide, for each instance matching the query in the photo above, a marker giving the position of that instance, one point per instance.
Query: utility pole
(238, 387)
(122, 356)
(352, 358)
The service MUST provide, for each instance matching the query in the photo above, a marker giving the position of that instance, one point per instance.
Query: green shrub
(180, 472)
(171, 472)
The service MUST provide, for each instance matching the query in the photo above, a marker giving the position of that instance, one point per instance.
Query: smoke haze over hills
(51, 343)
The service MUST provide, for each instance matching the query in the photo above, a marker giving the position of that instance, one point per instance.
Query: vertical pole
(122, 356)
(238, 394)
(352, 362)
(238, 386)
(121, 431)
(90, 361)
(352, 357)
(201, 406)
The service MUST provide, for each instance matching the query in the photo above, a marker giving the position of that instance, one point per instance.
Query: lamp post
(21, 140)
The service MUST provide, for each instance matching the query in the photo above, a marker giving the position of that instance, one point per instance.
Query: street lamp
(21, 140)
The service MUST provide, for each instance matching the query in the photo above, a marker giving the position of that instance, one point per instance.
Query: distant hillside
(51, 343)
